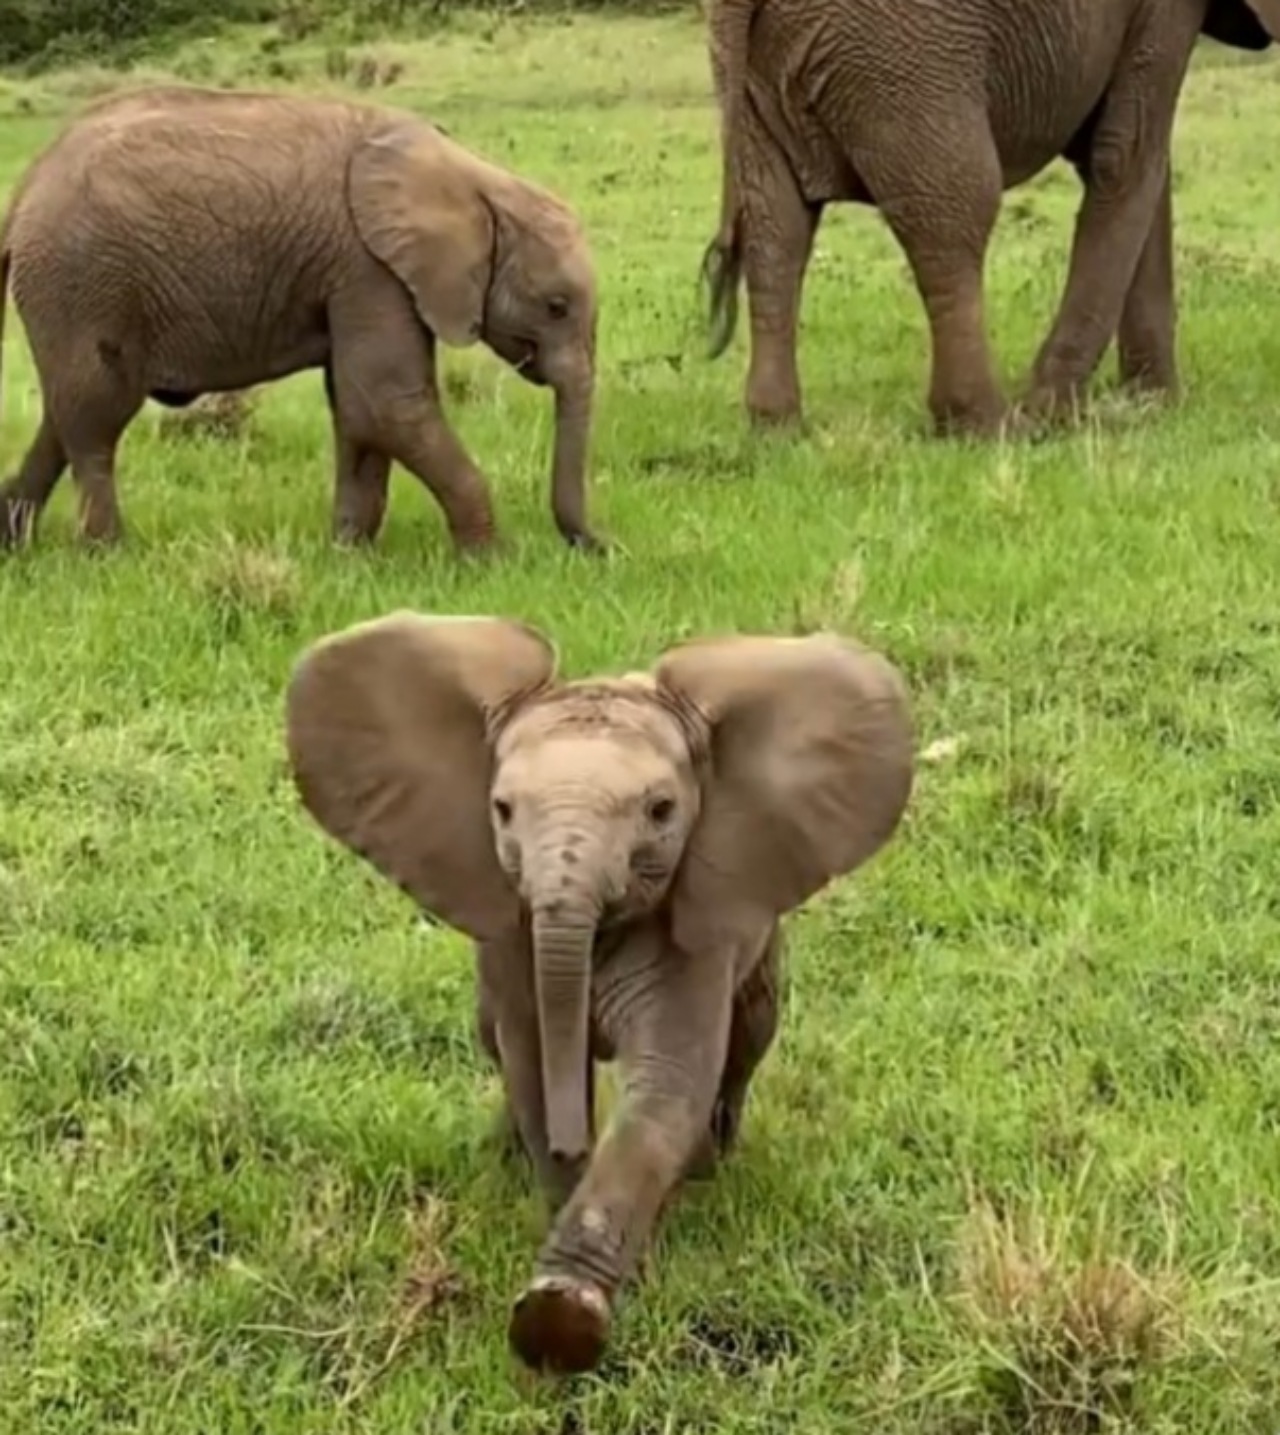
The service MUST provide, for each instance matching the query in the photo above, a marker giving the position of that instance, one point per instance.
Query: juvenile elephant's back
(168, 151)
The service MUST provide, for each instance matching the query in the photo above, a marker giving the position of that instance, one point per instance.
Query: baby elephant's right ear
(386, 735)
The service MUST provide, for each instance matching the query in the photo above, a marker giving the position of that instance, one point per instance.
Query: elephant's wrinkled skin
(175, 241)
(621, 851)
(929, 110)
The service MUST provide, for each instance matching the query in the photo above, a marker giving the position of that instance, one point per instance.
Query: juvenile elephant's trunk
(569, 465)
(730, 26)
(563, 937)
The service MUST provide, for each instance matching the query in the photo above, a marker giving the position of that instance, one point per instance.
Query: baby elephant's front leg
(667, 1016)
(508, 1022)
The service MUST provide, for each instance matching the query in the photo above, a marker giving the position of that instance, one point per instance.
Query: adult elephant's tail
(730, 31)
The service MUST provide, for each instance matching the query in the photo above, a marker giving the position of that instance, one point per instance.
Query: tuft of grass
(1065, 1336)
(221, 416)
(241, 581)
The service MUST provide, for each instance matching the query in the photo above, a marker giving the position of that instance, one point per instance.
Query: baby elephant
(176, 241)
(621, 851)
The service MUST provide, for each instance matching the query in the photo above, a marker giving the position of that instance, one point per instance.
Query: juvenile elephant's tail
(730, 32)
(4, 291)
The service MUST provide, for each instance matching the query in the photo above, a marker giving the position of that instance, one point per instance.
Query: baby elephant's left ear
(812, 757)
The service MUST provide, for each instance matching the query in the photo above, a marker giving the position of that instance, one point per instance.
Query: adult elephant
(176, 241)
(930, 109)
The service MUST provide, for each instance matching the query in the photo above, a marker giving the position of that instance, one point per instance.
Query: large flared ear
(419, 207)
(1245, 24)
(811, 766)
(386, 729)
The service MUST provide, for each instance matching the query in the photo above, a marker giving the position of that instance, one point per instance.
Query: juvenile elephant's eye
(502, 810)
(557, 306)
(661, 811)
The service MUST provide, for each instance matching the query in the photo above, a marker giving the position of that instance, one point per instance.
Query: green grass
(1017, 1145)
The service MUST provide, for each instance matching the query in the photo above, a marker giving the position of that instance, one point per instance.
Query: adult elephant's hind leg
(1148, 323)
(1126, 180)
(778, 232)
(25, 497)
(938, 184)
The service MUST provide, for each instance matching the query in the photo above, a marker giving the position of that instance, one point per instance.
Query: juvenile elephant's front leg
(667, 1016)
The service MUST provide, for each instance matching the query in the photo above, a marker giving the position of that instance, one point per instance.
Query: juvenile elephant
(175, 241)
(929, 110)
(621, 851)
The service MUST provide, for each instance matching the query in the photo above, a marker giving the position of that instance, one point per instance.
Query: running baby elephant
(621, 851)
(929, 110)
(176, 240)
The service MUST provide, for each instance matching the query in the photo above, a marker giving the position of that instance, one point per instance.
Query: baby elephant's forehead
(622, 708)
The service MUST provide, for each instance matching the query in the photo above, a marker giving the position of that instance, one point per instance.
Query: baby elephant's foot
(718, 1140)
(560, 1325)
(503, 1135)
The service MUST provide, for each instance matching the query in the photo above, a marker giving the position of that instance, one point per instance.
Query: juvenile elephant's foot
(103, 540)
(17, 519)
(560, 1325)
(477, 545)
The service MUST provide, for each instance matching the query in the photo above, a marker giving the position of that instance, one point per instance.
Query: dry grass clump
(224, 416)
(1066, 1332)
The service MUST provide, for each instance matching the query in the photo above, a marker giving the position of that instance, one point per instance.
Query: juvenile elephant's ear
(1246, 24)
(418, 207)
(386, 736)
(811, 764)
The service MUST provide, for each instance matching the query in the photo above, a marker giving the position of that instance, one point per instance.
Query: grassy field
(1013, 1165)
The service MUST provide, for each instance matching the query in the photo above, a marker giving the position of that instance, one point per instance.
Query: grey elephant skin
(621, 850)
(175, 241)
(929, 110)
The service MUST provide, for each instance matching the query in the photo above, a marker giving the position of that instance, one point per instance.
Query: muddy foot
(560, 1325)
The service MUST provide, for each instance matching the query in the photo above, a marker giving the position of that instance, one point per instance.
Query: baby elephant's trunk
(564, 932)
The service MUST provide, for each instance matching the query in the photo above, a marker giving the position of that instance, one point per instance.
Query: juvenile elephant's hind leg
(938, 184)
(95, 402)
(25, 497)
(362, 480)
(779, 226)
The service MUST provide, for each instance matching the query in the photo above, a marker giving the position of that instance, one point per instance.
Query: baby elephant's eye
(661, 810)
(502, 810)
(557, 306)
